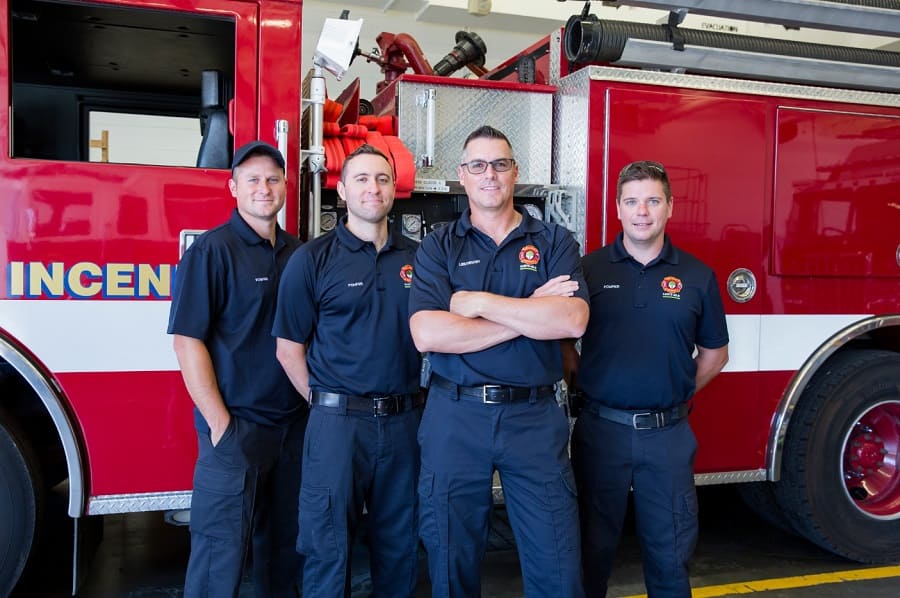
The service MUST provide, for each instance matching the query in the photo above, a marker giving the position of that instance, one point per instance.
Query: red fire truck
(785, 171)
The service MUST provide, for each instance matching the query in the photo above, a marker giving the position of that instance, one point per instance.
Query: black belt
(639, 419)
(375, 406)
(493, 393)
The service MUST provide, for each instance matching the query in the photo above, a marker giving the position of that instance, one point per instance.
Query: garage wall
(512, 26)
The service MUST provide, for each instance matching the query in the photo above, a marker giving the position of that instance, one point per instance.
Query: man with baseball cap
(250, 421)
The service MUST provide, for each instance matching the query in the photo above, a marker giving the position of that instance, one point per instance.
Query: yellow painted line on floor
(782, 583)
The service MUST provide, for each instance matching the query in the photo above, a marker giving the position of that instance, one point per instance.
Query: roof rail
(648, 54)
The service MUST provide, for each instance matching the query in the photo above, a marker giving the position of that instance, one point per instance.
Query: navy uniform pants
(352, 459)
(245, 494)
(463, 442)
(609, 459)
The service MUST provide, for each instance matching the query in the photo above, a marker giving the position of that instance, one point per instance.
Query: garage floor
(141, 556)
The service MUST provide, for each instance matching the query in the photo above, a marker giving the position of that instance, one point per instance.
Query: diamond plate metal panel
(134, 503)
(730, 477)
(764, 88)
(525, 117)
(556, 56)
(570, 145)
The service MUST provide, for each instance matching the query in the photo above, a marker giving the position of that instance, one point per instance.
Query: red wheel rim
(869, 465)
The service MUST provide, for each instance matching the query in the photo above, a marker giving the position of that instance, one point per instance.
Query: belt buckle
(384, 406)
(484, 394)
(636, 426)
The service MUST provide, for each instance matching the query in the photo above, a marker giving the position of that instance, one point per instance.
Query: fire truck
(785, 168)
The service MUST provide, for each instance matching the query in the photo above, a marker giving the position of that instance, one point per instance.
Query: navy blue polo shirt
(459, 257)
(224, 295)
(348, 304)
(637, 351)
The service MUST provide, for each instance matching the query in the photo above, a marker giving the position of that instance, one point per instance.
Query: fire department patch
(406, 274)
(671, 287)
(529, 257)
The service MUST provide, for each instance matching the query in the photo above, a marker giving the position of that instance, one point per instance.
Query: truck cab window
(106, 83)
(124, 137)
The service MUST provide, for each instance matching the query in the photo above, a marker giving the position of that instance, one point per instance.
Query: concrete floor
(140, 556)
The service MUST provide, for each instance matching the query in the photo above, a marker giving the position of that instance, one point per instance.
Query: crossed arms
(478, 320)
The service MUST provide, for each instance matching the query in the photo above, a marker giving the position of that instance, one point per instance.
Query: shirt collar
(668, 254)
(528, 224)
(464, 224)
(250, 236)
(354, 243)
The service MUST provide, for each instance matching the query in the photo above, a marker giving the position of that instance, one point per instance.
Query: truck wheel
(19, 504)
(840, 482)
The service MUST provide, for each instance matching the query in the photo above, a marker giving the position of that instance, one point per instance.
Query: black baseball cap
(254, 148)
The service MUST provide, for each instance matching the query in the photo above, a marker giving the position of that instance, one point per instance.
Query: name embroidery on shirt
(529, 257)
(355, 284)
(406, 275)
(261, 279)
(468, 263)
(671, 287)
(611, 286)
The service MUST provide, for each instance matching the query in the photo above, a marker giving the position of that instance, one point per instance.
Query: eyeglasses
(480, 166)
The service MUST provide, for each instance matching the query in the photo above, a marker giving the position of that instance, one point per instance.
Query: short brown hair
(486, 132)
(363, 150)
(641, 171)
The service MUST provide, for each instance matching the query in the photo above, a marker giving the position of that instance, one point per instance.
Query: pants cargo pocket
(562, 502)
(217, 502)
(686, 525)
(316, 534)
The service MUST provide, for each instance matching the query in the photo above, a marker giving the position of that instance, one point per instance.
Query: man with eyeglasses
(656, 335)
(492, 295)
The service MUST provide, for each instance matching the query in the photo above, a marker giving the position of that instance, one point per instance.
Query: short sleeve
(566, 259)
(198, 293)
(431, 288)
(297, 305)
(712, 332)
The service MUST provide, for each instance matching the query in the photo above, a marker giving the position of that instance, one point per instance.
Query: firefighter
(343, 339)
(493, 292)
(250, 421)
(652, 306)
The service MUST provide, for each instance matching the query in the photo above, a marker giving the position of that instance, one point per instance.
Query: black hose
(591, 40)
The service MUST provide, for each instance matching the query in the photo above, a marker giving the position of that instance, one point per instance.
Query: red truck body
(790, 192)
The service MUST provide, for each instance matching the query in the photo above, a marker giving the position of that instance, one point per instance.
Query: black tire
(852, 513)
(19, 503)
